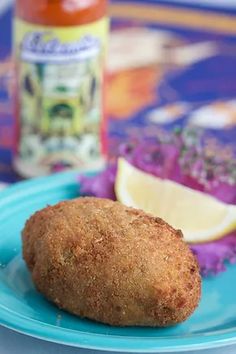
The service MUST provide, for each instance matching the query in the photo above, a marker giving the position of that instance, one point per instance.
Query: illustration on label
(60, 91)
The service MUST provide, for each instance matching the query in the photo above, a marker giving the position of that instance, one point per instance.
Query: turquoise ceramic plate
(22, 308)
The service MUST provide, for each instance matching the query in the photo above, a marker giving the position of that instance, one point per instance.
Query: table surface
(204, 59)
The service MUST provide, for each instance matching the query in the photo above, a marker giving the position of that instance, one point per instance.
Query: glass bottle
(60, 48)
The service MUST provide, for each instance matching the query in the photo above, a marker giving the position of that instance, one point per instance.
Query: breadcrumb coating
(99, 259)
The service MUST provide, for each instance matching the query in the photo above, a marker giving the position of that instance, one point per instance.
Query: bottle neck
(61, 12)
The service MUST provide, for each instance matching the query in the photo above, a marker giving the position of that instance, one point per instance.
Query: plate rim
(86, 340)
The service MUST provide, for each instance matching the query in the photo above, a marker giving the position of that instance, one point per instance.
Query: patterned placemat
(178, 71)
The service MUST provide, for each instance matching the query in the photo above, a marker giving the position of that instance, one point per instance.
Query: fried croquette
(107, 262)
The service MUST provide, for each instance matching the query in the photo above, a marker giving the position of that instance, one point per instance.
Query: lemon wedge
(201, 218)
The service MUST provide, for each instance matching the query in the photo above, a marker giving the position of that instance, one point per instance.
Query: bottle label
(60, 74)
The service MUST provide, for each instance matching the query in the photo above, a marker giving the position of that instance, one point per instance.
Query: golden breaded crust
(102, 260)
